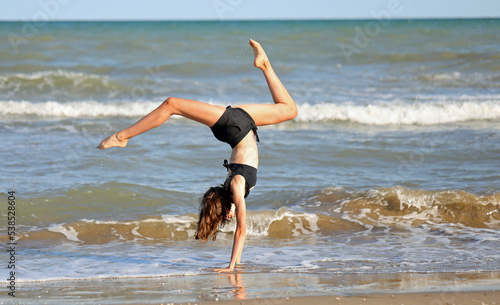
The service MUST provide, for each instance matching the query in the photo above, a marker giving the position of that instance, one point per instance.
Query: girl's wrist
(231, 266)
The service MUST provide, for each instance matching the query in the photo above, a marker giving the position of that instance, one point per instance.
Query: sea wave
(437, 56)
(384, 113)
(417, 113)
(277, 224)
(83, 109)
(327, 213)
(52, 78)
(57, 82)
(406, 208)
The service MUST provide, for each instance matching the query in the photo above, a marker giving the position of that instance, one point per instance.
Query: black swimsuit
(231, 128)
(248, 172)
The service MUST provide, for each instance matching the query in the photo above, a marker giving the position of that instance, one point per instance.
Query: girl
(236, 126)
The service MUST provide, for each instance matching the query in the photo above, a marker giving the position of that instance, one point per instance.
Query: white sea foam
(76, 109)
(418, 113)
(70, 232)
(397, 113)
(259, 223)
(178, 219)
(77, 277)
(50, 78)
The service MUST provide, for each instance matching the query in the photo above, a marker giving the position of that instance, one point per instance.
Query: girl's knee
(169, 103)
(168, 107)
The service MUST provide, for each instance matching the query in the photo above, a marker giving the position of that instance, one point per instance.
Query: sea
(391, 168)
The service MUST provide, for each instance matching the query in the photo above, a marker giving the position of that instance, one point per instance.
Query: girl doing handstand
(236, 126)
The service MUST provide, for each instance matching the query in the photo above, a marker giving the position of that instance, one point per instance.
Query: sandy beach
(479, 297)
(137, 297)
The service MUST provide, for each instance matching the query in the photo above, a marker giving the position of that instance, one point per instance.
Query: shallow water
(242, 286)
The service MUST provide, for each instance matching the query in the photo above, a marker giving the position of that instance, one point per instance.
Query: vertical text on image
(11, 244)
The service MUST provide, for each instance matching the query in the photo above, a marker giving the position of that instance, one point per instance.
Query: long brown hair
(214, 208)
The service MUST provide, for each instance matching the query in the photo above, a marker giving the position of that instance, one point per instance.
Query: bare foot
(112, 141)
(261, 61)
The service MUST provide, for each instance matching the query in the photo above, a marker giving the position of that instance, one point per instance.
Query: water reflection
(236, 280)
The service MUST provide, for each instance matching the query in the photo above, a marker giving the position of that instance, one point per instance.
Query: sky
(43, 10)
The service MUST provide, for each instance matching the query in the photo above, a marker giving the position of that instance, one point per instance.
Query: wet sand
(268, 288)
(433, 298)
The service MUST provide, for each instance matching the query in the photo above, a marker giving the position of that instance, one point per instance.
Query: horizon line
(254, 19)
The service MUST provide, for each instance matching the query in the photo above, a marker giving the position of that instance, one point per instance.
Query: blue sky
(41, 10)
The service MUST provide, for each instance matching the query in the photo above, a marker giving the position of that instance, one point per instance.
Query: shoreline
(269, 288)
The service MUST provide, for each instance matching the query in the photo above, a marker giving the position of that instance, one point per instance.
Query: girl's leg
(197, 111)
(284, 107)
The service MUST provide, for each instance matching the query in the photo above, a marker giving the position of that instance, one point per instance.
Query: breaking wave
(428, 113)
(431, 113)
(327, 213)
(62, 82)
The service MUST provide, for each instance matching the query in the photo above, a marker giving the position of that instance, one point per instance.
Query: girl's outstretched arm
(238, 190)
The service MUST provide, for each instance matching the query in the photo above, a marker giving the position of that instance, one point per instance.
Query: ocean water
(391, 167)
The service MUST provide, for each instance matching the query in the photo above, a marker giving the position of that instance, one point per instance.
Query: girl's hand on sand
(219, 270)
